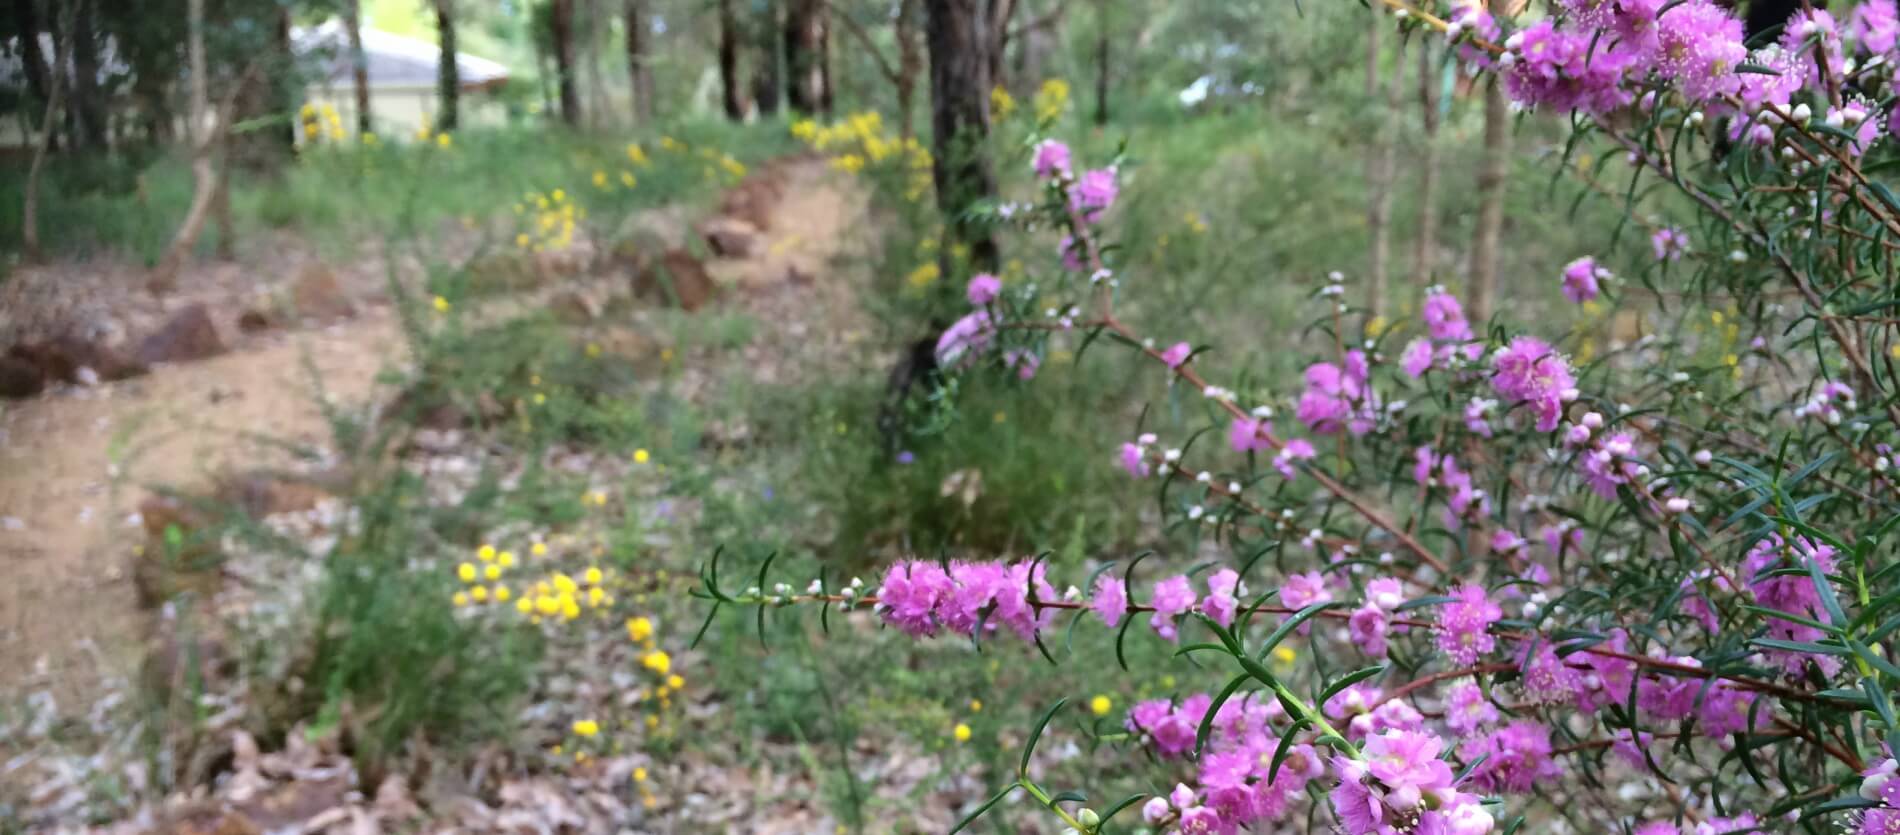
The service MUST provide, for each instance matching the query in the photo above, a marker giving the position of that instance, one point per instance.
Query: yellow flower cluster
(549, 220)
(320, 121)
(861, 141)
(1051, 100)
(626, 180)
(925, 274)
(560, 595)
(489, 567)
(1001, 102)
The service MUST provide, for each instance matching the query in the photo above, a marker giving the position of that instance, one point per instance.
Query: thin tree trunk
(282, 83)
(1382, 163)
(359, 64)
(1425, 242)
(30, 212)
(910, 61)
(204, 177)
(729, 63)
(1101, 64)
(562, 23)
(88, 111)
(639, 75)
(826, 95)
(766, 82)
(958, 39)
(26, 21)
(448, 76)
(1492, 171)
(600, 112)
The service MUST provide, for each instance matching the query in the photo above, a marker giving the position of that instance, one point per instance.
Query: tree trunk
(997, 15)
(1101, 64)
(204, 177)
(88, 110)
(26, 21)
(561, 22)
(359, 64)
(910, 61)
(448, 76)
(282, 85)
(639, 75)
(958, 39)
(599, 107)
(729, 63)
(1425, 242)
(766, 32)
(1492, 172)
(804, 80)
(1381, 162)
(826, 96)
(30, 212)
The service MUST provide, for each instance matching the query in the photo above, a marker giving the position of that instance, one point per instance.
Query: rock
(255, 321)
(730, 237)
(67, 357)
(317, 294)
(19, 378)
(573, 308)
(681, 280)
(189, 335)
(753, 200)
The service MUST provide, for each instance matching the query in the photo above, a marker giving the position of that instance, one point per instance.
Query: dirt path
(75, 464)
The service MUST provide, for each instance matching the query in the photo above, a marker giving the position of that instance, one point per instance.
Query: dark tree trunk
(1101, 65)
(285, 82)
(826, 96)
(561, 23)
(804, 74)
(88, 109)
(958, 39)
(1425, 242)
(26, 19)
(998, 14)
(910, 61)
(640, 76)
(729, 62)
(359, 64)
(765, 73)
(448, 76)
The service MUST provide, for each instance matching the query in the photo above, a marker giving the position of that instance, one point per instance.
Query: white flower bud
(1802, 113)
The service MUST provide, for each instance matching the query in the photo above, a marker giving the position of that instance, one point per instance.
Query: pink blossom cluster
(1531, 372)
(922, 597)
(1339, 397)
(1172, 598)
(1232, 787)
(1448, 336)
(1583, 279)
(1605, 460)
(1401, 785)
(1830, 403)
(1464, 500)
(1794, 594)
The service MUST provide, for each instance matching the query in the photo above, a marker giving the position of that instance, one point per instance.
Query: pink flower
(1071, 254)
(1417, 358)
(1024, 361)
(1516, 757)
(1464, 624)
(1445, 317)
(1580, 279)
(965, 338)
(1296, 449)
(984, 288)
(1303, 590)
(1052, 158)
(1247, 434)
(1467, 709)
(1337, 397)
(1111, 599)
(1172, 597)
(1669, 243)
(1874, 24)
(1222, 600)
(1532, 372)
(1094, 193)
(1699, 46)
(910, 594)
(1133, 461)
(1177, 354)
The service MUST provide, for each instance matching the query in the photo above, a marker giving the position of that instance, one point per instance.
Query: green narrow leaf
(1207, 719)
(1292, 623)
(1022, 769)
(998, 798)
(1346, 681)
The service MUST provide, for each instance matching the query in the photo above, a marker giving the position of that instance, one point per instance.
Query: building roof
(394, 61)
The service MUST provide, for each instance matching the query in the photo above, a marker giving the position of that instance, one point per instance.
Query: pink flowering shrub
(1646, 593)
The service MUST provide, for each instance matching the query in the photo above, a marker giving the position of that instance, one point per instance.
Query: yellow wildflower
(539, 549)
(441, 305)
(524, 606)
(593, 576)
(976, 705)
(506, 559)
(675, 681)
(502, 594)
(1101, 705)
(479, 594)
(639, 629)
(1051, 99)
(640, 456)
(961, 732)
(640, 775)
(492, 572)
(595, 596)
(460, 598)
(486, 553)
(442, 140)
(658, 661)
(586, 727)
(466, 571)
(1001, 102)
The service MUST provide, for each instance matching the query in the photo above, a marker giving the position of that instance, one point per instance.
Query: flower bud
(1802, 113)
(1088, 818)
